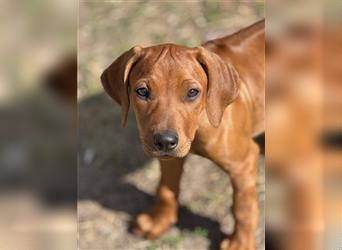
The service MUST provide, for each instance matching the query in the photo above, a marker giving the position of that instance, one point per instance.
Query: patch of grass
(201, 232)
(171, 242)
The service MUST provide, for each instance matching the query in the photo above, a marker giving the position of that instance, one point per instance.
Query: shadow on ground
(108, 153)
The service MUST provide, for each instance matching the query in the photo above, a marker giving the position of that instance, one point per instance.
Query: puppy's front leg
(245, 207)
(164, 212)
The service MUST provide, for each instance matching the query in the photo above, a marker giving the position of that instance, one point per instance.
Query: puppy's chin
(180, 152)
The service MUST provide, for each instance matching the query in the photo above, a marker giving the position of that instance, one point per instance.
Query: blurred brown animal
(293, 120)
(207, 100)
(62, 80)
(303, 106)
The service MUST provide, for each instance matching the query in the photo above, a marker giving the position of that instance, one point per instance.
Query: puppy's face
(169, 87)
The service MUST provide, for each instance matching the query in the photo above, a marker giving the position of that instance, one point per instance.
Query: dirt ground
(116, 179)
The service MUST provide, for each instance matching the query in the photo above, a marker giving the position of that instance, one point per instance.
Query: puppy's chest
(210, 143)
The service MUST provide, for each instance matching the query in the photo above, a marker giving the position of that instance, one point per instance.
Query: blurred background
(303, 125)
(116, 180)
(38, 161)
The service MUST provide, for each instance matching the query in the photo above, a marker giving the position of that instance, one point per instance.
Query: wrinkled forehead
(168, 62)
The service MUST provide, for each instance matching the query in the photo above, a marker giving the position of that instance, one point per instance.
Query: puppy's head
(169, 88)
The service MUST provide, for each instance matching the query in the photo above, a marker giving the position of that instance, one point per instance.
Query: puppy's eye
(143, 93)
(192, 94)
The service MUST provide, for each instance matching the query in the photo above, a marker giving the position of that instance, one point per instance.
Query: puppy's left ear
(223, 84)
(115, 79)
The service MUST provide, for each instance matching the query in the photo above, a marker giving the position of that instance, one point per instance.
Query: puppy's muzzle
(165, 141)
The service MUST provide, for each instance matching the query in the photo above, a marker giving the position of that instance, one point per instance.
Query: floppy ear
(223, 84)
(115, 79)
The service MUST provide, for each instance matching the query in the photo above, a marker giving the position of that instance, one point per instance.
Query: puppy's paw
(235, 244)
(225, 244)
(152, 225)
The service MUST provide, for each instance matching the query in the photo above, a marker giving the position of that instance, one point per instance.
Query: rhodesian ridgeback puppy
(207, 100)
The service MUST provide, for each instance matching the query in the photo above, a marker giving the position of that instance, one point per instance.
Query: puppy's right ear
(115, 79)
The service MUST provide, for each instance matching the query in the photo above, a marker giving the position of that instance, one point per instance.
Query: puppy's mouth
(179, 152)
(163, 155)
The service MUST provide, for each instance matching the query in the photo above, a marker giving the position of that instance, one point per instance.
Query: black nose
(165, 141)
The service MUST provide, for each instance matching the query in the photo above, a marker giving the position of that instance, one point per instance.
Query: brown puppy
(207, 100)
